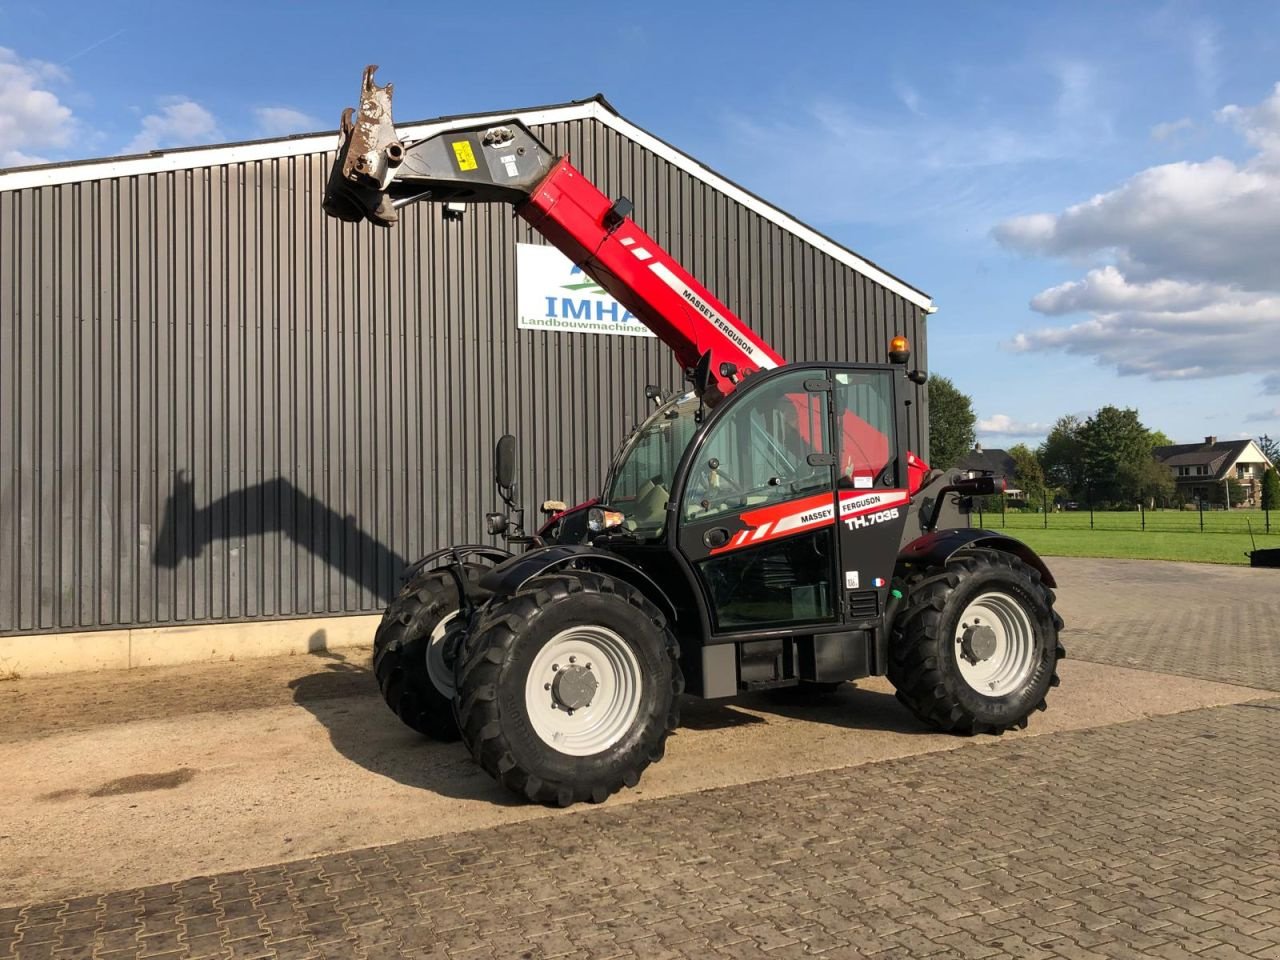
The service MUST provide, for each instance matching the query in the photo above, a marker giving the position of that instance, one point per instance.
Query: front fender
(507, 577)
(935, 549)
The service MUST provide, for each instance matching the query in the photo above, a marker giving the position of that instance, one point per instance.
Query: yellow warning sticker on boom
(466, 159)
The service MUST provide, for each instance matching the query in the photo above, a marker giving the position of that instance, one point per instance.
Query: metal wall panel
(218, 404)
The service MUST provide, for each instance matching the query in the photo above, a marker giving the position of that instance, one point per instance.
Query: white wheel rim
(438, 672)
(613, 706)
(1013, 658)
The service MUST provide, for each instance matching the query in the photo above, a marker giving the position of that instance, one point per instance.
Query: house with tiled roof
(995, 462)
(1201, 469)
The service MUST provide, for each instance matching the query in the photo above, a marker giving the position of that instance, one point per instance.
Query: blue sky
(1090, 192)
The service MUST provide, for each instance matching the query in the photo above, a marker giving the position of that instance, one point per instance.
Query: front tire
(569, 688)
(976, 648)
(408, 651)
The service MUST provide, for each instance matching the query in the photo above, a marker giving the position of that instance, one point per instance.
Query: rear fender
(457, 554)
(508, 577)
(935, 549)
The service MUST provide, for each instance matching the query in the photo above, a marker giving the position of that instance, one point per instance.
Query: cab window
(758, 453)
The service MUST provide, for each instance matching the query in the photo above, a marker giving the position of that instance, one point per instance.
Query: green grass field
(1170, 534)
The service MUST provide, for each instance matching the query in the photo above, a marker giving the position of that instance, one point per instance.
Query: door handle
(716, 537)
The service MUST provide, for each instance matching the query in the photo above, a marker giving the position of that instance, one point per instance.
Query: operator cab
(776, 515)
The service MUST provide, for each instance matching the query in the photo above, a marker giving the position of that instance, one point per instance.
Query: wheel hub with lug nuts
(978, 643)
(573, 687)
(584, 690)
(996, 644)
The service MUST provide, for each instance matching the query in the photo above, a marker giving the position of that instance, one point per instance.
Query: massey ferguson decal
(780, 520)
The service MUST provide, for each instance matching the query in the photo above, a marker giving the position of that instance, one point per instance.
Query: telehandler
(766, 528)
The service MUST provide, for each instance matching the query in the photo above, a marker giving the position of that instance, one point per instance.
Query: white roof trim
(186, 159)
(297, 146)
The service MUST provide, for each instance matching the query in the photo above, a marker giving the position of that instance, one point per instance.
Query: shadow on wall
(270, 506)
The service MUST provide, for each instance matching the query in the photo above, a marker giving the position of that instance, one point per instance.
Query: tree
(1270, 449)
(1219, 490)
(1271, 490)
(1112, 440)
(1028, 476)
(1147, 481)
(1062, 455)
(951, 423)
(1158, 438)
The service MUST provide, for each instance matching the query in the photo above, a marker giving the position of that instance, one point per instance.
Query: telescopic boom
(376, 173)
(503, 161)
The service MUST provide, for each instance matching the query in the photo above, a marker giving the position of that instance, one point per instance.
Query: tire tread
(491, 647)
(915, 664)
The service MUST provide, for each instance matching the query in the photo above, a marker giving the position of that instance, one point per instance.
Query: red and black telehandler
(766, 528)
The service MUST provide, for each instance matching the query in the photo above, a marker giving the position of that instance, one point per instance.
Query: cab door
(871, 486)
(757, 510)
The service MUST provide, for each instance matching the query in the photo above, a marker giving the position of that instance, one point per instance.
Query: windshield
(640, 482)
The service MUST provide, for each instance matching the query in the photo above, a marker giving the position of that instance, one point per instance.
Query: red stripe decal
(778, 520)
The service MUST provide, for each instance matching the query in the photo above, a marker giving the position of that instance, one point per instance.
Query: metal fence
(1002, 513)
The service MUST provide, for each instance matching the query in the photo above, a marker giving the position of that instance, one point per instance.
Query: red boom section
(570, 211)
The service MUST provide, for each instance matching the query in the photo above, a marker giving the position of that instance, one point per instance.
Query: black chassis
(721, 663)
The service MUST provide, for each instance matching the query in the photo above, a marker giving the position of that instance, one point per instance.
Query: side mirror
(653, 393)
(504, 462)
(983, 486)
(918, 377)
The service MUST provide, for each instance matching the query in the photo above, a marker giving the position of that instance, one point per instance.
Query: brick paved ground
(1198, 620)
(1159, 838)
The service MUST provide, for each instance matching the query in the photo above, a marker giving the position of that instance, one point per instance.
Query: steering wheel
(720, 493)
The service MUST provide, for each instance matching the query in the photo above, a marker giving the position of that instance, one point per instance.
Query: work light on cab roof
(899, 349)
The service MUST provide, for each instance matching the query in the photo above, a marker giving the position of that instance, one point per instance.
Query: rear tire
(408, 649)
(575, 640)
(976, 648)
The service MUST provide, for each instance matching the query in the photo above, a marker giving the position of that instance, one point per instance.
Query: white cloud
(1194, 221)
(1205, 48)
(180, 122)
(1078, 104)
(1260, 126)
(1170, 129)
(32, 118)
(1007, 426)
(910, 97)
(1107, 290)
(282, 121)
(1189, 285)
(1237, 334)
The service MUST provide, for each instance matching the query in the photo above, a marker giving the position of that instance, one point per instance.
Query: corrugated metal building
(217, 404)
